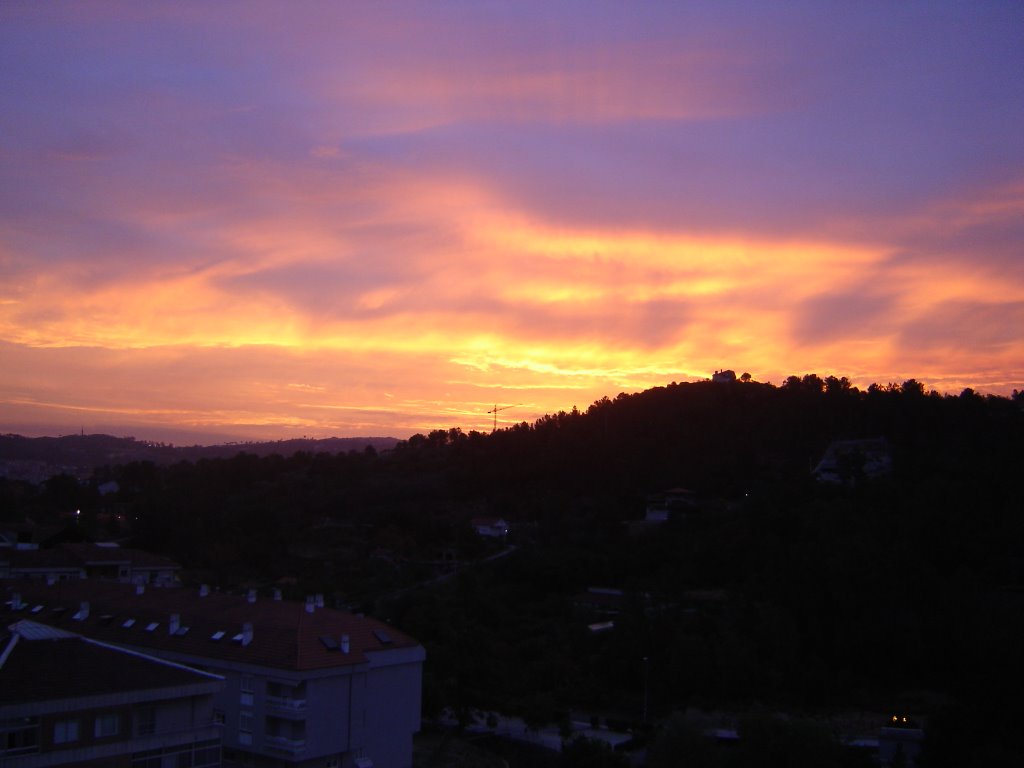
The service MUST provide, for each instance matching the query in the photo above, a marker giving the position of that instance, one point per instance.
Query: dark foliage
(905, 588)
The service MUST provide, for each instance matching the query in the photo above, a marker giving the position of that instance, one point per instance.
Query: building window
(207, 757)
(145, 721)
(107, 725)
(248, 686)
(245, 727)
(65, 731)
(218, 717)
(19, 735)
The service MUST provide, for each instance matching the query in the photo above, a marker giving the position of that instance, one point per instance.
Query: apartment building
(88, 561)
(70, 701)
(304, 685)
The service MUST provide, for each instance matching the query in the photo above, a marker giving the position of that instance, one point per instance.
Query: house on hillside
(724, 376)
(675, 502)
(303, 685)
(852, 461)
(69, 701)
(490, 527)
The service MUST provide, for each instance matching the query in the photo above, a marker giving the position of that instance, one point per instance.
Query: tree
(768, 740)
(813, 383)
(581, 752)
(680, 743)
(913, 387)
(835, 385)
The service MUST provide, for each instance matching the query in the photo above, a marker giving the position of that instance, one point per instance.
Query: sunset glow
(259, 220)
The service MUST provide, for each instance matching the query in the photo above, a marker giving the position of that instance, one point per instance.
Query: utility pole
(647, 670)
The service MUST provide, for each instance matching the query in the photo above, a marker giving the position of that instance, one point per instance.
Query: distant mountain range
(36, 458)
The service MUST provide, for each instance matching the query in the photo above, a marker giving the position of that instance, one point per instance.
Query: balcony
(291, 745)
(285, 706)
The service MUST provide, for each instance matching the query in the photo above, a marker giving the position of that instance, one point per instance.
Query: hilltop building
(490, 527)
(304, 685)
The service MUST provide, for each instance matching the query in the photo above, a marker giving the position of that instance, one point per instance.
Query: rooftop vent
(346, 644)
(83, 612)
(174, 624)
(218, 635)
(37, 609)
(251, 596)
(310, 605)
(151, 627)
(16, 602)
(329, 642)
(319, 599)
(128, 623)
(246, 633)
(204, 590)
(383, 636)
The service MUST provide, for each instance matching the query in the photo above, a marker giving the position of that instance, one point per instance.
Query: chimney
(204, 590)
(251, 597)
(319, 599)
(174, 624)
(345, 644)
(277, 594)
(83, 612)
(140, 589)
(310, 605)
(246, 633)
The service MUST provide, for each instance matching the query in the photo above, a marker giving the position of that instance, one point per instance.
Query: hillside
(36, 458)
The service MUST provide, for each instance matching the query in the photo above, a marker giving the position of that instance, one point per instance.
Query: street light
(647, 669)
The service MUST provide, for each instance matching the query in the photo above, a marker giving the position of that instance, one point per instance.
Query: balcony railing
(286, 704)
(285, 744)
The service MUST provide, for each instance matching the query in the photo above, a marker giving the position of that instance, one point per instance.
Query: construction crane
(495, 410)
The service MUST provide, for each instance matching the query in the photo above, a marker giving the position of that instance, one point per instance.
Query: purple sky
(254, 219)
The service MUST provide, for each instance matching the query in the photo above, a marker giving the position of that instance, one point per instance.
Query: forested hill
(725, 439)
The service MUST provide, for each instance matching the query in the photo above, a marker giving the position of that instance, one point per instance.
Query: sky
(263, 220)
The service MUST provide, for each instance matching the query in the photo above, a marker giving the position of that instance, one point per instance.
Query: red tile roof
(72, 667)
(285, 635)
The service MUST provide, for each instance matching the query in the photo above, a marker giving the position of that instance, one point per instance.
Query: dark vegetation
(903, 591)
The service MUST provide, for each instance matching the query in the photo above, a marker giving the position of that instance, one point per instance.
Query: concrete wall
(328, 713)
(393, 701)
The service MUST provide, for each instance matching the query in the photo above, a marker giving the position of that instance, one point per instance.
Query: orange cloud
(553, 316)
